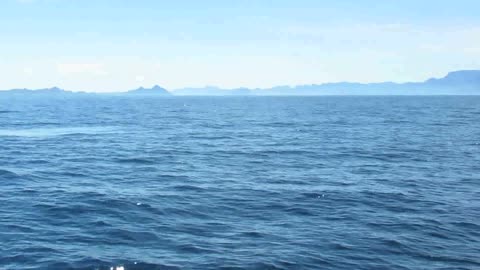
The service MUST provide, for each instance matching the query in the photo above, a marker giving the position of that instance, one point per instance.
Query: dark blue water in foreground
(240, 183)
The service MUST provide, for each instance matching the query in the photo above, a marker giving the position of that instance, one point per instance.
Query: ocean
(114, 182)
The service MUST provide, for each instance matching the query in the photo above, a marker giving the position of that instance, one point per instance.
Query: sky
(117, 45)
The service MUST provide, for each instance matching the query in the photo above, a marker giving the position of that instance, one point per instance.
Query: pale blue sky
(115, 45)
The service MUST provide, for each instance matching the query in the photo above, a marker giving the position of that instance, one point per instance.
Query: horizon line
(238, 88)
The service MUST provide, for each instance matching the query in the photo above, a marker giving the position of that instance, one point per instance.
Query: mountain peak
(156, 87)
(464, 73)
(463, 76)
(55, 89)
(155, 90)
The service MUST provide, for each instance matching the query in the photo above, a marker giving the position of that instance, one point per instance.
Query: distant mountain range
(154, 91)
(464, 82)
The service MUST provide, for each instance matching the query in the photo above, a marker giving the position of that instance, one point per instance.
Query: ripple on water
(7, 174)
(53, 132)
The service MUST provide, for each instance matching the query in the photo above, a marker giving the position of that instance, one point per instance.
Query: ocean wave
(7, 174)
(53, 132)
(103, 265)
(136, 160)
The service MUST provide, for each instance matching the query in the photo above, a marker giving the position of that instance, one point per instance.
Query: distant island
(155, 90)
(464, 82)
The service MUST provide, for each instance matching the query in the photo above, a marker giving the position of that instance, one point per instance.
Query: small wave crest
(100, 265)
(135, 160)
(7, 174)
(53, 132)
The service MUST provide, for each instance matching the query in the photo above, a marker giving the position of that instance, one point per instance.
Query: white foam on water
(52, 132)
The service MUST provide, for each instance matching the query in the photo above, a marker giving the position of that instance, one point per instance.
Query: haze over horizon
(121, 45)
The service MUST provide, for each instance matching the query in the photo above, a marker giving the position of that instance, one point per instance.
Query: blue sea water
(110, 182)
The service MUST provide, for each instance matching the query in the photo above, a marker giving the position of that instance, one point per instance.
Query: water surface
(240, 183)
